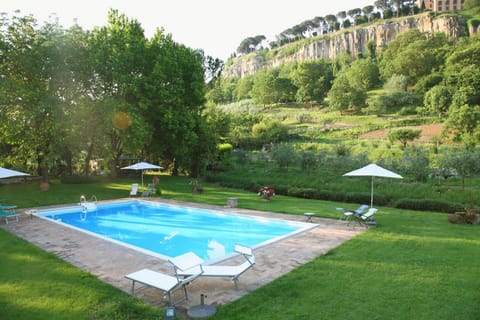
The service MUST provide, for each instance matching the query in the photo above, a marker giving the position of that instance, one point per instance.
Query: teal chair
(8, 212)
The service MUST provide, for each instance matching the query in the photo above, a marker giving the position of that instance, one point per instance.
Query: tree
(271, 131)
(471, 4)
(346, 96)
(462, 73)
(342, 15)
(312, 78)
(367, 10)
(173, 103)
(364, 74)
(32, 91)
(396, 83)
(372, 50)
(464, 162)
(320, 23)
(72, 96)
(243, 88)
(284, 155)
(381, 5)
(250, 44)
(118, 73)
(331, 20)
(213, 68)
(416, 162)
(464, 121)
(354, 13)
(413, 55)
(404, 135)
(263, 88)
(397, 4)
(437, 101)
(428, 82)
(285, 90)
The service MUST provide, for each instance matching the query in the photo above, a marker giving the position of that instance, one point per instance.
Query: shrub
(303, 117)
(75, 179)
(365, 197)
(158, 190)
(429, 205)
(307, 193)
(281, 189)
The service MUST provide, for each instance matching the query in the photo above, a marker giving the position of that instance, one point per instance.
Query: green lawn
(412, 265)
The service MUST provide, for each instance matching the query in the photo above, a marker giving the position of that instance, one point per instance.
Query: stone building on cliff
(440, 5)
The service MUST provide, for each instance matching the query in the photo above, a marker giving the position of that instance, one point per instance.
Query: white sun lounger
(233, 272)
(134, 190)
(168, 284)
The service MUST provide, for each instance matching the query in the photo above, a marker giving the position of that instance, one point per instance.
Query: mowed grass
(411, 265)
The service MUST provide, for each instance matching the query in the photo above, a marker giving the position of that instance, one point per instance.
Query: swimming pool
(167, 230)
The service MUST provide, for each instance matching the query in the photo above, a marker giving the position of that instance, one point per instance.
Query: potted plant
(266, 192)
(44, 186)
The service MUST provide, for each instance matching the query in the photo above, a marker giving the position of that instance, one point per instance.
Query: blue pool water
(171, 230)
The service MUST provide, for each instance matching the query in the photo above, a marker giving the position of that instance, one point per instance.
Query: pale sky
(216, 26)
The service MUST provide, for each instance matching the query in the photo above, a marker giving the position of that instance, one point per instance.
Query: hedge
(435, 205)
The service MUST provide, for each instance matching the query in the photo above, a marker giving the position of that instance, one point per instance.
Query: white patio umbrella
(143, 166)
(7, 173)
(373, 170)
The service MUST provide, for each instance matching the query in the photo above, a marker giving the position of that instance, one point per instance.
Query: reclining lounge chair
(347, 214)
(150, 191)
(366, 219)
(233, 272)
(166, 283)
(134, 191)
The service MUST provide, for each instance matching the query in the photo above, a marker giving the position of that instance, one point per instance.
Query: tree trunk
(87, 159)
(175, 168)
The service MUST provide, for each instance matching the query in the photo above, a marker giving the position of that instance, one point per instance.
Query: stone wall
(353, 41)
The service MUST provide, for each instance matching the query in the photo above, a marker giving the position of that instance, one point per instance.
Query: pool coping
(110, 262)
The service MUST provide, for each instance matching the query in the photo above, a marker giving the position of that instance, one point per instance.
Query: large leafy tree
(364, 74)
(462, 78)
(33, 93)
(437, 101)
(263, 88)
(172, 101)
(119, 64)
(346, 95)
(70, 96)
(313, 80)
(471, 4)
(414, 55)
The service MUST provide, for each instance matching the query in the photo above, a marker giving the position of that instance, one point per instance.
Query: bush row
(433, 205)
(429, 205)
(76, 179)
(299, 192)
(337, 196)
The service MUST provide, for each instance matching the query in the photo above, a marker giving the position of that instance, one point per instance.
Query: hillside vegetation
(413, 107)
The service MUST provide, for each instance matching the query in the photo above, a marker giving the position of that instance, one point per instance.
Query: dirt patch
(428, 131)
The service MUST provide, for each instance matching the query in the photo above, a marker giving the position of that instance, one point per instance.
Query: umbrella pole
(371, 195)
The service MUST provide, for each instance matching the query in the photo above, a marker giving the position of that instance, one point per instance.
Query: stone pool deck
(110, 262)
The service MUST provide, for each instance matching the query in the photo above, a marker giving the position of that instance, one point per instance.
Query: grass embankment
(412, 265)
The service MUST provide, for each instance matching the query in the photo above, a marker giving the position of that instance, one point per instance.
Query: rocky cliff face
(353, 41)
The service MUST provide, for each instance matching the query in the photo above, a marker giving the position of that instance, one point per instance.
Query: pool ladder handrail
(85, 207)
